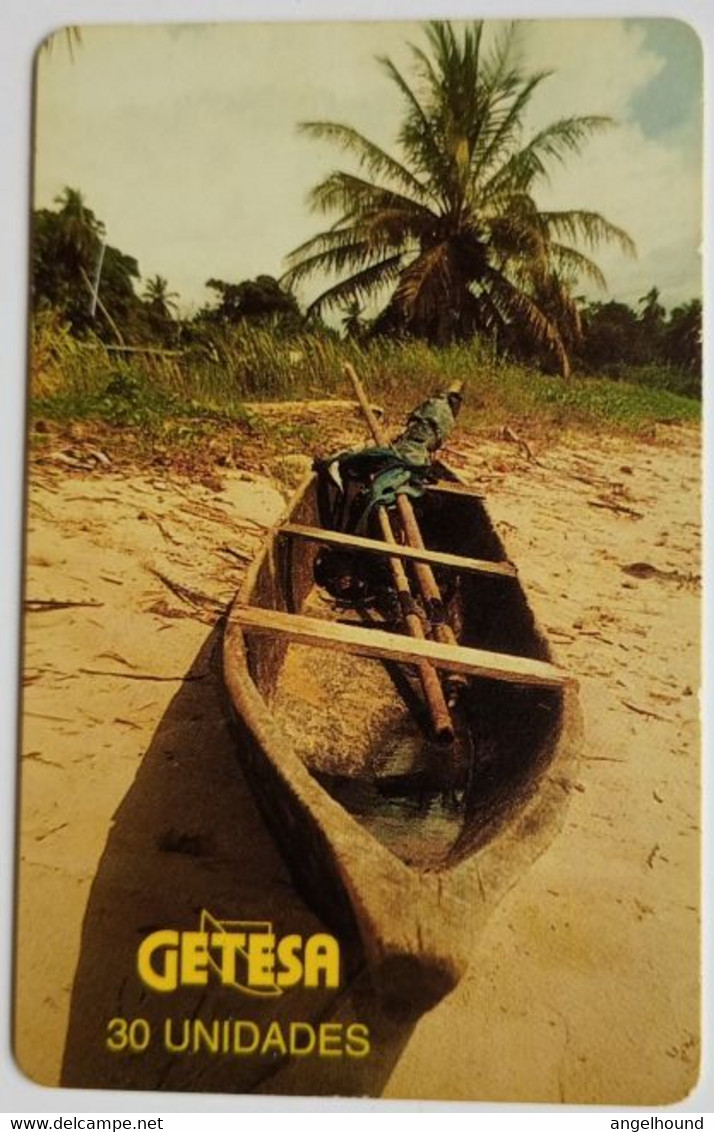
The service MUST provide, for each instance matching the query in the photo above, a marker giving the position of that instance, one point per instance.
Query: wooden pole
(431, 686)
(433, 692)
(101, 306)
(424, 574)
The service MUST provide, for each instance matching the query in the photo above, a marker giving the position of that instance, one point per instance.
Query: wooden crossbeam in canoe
(375, 546)
(382, 645)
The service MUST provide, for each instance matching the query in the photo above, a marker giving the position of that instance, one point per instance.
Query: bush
(213, 381)
(671, 378)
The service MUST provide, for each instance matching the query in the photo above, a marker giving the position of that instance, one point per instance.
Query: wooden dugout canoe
(395, 841)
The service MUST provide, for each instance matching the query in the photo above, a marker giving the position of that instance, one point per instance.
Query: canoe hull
(415, 928)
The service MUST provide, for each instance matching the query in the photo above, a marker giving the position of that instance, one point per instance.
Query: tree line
(96, 288)
(615, 336)
(443, 236)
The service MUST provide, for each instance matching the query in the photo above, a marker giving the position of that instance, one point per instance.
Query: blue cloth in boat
(405, 466)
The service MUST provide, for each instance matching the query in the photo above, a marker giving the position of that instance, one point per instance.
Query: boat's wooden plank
(392, 646)
(375, 546)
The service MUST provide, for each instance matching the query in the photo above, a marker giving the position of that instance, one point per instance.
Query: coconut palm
(71, 36)
(76, 271)
(159, 298)
(80, 234)
(352, 322)
(683, 341)
(451, 226)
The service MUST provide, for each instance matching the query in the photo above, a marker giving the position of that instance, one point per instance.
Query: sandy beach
(584, 986)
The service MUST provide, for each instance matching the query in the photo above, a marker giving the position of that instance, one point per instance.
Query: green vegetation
(646, 346)
(451, 228)
(85, 380)
(477, 283)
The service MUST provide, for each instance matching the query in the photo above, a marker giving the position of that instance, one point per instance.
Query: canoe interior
(359, 725)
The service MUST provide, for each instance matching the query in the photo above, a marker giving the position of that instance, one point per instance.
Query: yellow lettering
(291, 962)
(228, 943)
(331, 1039)
(274, 1040)
(169, 959)
(165, 978)
(297, 1047)
(173, 1044)
(357, 1040)
(208, 1036)
(261, 960)
(322, 957)
(194, 959)
(254, 1033)
(117, 1035)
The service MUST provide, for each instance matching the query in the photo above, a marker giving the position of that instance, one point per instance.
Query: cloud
(186, 144)
(598, 65)
(650, 187)
(651, 191)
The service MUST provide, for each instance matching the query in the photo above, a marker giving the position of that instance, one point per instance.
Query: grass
(186, 399)
(657, 376)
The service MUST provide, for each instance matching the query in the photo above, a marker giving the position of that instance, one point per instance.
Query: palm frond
(576, 265)
(506, 108)
(552, 143)
(353, 256)
(348, 237)
(338, 236)
(591, 227)
(350, 193)
(429, 272)
(417, 135)
(360, 286)
(451, 217)
(498, 67)
(457, 110)
(371, 157)
(518, 307)
(518, 235)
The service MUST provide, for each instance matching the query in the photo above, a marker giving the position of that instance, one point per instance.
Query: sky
(183, 139)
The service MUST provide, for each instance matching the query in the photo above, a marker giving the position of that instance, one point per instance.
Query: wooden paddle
(431, 686)
(430, 592)
(433, 692)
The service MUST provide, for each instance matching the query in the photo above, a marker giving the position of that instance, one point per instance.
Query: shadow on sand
(187, 837)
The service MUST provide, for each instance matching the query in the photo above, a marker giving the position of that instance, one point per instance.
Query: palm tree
(80, 233)
(71, 37)
(352, 322)
(451, 226)
(160, 299)
(683, 339)
(651, 325)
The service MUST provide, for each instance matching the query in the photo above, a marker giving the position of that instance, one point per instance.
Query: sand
(584, 986)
